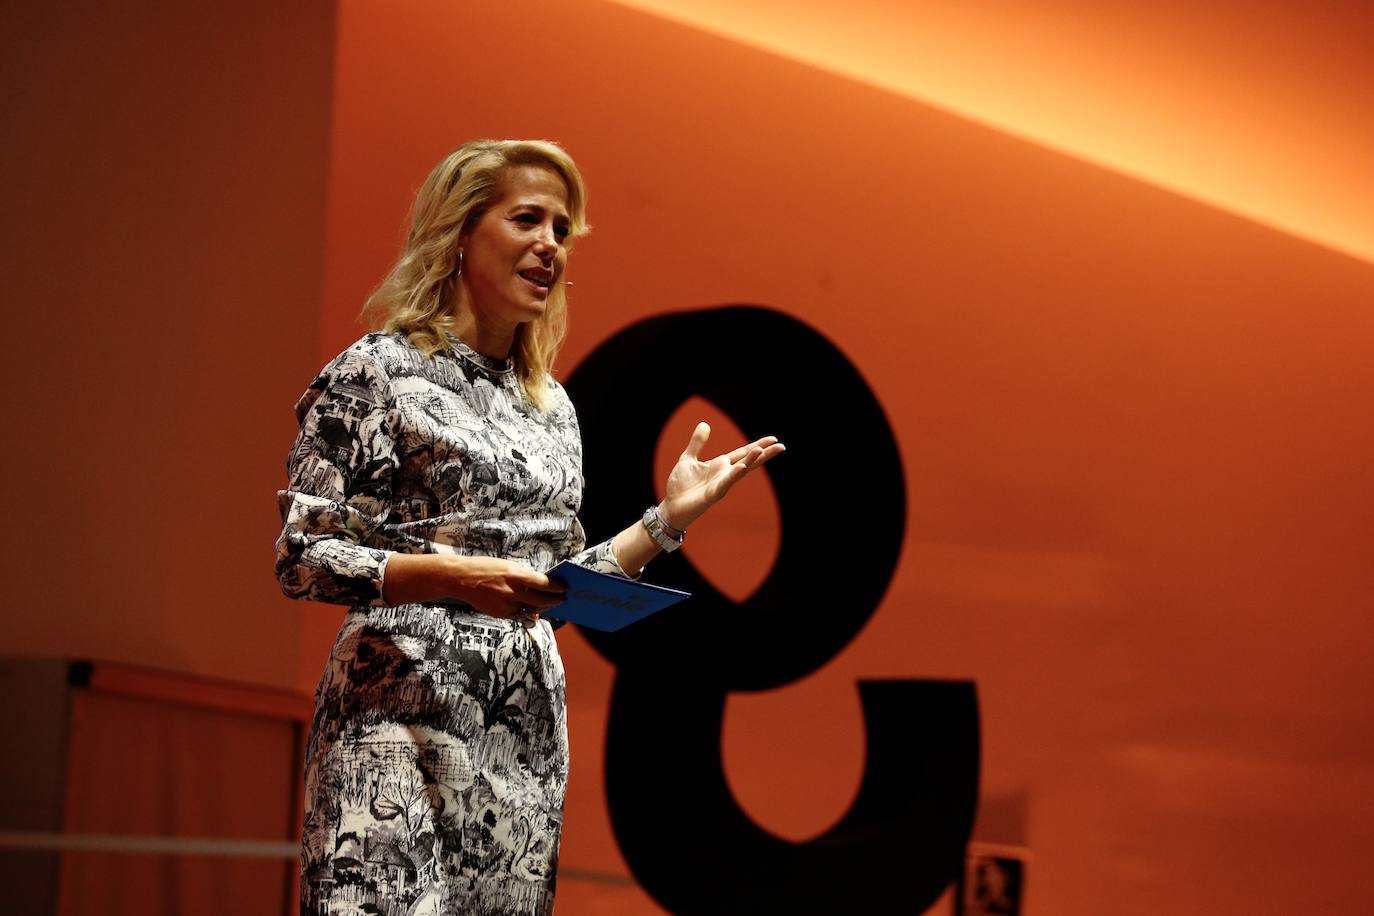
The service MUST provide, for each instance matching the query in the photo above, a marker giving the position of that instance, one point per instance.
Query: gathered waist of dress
(529, 540)
(430, 620)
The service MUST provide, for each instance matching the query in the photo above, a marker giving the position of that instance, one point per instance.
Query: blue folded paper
(605, 602)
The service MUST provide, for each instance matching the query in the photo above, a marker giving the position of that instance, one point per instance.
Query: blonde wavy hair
(420, 293)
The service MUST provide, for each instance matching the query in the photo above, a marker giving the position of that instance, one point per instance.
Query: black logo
(842, 501)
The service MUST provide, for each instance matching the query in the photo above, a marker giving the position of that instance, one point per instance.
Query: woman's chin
(533, 310)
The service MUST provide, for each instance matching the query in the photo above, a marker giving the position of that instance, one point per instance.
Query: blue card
(605, 602)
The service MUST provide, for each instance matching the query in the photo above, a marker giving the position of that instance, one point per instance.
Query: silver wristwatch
(664, 535)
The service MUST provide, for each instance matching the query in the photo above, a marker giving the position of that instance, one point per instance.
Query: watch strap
(658, 530)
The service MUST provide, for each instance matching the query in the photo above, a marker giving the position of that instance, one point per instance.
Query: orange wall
(1259, 109)
(1133, 425)
(162, 237)
(1133, 429)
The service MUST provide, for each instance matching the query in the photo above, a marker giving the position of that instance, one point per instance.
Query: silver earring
(460, 263)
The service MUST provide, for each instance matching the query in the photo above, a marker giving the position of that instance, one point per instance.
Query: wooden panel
(176, 760)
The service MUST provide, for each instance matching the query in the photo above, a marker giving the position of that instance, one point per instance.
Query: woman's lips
(538, 288)
(537, 280)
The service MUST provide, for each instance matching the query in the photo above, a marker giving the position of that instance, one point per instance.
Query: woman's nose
(546, 239)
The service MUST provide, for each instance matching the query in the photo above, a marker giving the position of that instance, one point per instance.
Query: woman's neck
(495, 342)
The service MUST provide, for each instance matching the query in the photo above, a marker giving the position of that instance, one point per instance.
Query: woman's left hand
(696, 485)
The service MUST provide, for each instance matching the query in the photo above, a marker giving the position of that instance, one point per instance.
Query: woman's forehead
(534, 184)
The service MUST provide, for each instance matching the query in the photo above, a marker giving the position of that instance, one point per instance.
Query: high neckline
(490, 363)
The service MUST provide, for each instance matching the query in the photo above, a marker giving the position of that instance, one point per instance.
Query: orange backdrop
(1134, 427)
(1133, 430)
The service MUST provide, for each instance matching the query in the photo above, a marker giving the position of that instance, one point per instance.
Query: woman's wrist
(673, 517)
(420, 577)
(665, 535)
(677, 531)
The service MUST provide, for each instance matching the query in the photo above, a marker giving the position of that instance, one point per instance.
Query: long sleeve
(600, 558)
(338, 493)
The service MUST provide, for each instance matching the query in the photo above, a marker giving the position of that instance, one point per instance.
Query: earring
(460, 263)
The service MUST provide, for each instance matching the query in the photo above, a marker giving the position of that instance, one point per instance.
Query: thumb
(698, 440)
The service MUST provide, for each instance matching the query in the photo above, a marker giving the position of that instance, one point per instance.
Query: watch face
(661, 537)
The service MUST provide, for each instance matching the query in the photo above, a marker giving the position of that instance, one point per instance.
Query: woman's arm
(491, 585)
(505, 589)
(338, 495)
(693, 487)
(338, 485)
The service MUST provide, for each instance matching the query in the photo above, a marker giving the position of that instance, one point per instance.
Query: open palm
(694, 485)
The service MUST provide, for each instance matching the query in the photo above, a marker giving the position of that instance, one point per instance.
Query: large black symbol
(842, 500)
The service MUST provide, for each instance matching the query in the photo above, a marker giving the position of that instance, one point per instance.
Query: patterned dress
(437, 760)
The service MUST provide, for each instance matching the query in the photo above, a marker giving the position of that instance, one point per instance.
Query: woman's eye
(561, 231)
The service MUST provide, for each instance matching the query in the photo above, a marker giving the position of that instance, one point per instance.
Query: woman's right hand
(493, 586)
(502, 588)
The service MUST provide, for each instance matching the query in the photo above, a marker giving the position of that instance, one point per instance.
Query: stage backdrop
(1133, 430)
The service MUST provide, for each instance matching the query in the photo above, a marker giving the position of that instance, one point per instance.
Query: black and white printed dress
(437, 760)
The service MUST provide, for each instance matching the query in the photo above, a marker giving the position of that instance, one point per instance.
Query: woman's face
(516, 251)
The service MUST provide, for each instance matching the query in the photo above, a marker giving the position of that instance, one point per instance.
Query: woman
(436, 477)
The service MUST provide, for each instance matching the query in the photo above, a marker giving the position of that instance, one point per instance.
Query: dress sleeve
(600, 557)
(338, 492)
